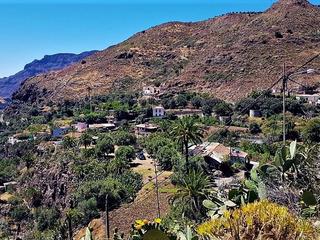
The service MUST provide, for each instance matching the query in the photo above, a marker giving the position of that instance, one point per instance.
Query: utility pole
(107, 219)
(157, 187)
(89, 95)
(284, 87)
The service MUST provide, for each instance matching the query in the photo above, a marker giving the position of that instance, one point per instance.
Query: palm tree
(193, 188)
(186, 131)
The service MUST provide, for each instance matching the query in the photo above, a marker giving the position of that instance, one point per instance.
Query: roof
(158, 107)
(102, 125)
(147, 126)
(185, 111)
(216, 151)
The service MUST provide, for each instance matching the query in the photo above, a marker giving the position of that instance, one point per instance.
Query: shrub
(89, 210)
(259, 220)
(19, 213)
(46, 218)
(254, 128)
(311, 132)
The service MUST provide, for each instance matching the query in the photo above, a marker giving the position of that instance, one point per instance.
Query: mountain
(227, 56)
(55, 62)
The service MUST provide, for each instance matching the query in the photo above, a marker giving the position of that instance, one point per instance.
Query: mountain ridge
(54, 62)
(227, 56)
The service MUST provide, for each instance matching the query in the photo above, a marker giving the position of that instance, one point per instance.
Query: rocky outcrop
(48, 63)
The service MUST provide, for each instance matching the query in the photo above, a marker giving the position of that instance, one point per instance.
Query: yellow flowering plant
(258, 220)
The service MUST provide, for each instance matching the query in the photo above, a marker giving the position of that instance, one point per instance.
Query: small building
(158, 111)
(19, 137)
(111, 119)
(313, 99)
(146, 128)
(151, 90)
(180, 113)
(13, 140)
(59, 132)
(102, 126)
(216, 153)
(225, 120)
(255, 113)
(81, 126)
(10, 186)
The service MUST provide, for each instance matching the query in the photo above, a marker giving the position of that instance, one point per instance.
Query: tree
(104, 146)
(223, 109)
(125, 152)
(186, 131)
(197, 101)
(85, 140)
(182, 101)
(124, 138)
(193, 188)
(167, 157)
(69, 142)
(311, 132)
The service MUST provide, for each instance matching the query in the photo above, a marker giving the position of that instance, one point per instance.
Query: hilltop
(55, 62)
(227, 56)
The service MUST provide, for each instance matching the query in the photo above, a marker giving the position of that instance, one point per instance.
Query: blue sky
(30, 29)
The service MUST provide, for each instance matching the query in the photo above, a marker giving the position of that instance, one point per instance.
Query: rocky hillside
(228, 56)
(8, 85)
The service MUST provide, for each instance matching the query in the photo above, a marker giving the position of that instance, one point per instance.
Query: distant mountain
(48, 63)
(227, 56)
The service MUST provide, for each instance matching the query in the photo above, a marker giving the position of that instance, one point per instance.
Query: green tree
(311, 131)
(85, 140)
(104, 146)
(187, 131)
(125, 152)
(167, 157)
(69, 142)
(124, 138)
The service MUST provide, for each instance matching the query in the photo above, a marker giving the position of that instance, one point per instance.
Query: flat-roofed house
(103, 126)
(158, 111)
(146, 128)
(313, 99)
(180, 113)
(150, 90)
(81, 126)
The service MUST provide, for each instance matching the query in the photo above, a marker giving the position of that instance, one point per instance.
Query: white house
(150, 90)
(313, 99)
(158, 111)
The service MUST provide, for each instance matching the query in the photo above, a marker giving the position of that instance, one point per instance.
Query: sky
(30, 29)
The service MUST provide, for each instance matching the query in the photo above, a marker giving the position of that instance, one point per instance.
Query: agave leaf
(254, 175)
(251, 185)
(262, 192)
(209, 204)
(229, 203)
(293, 149)
(278, 158)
